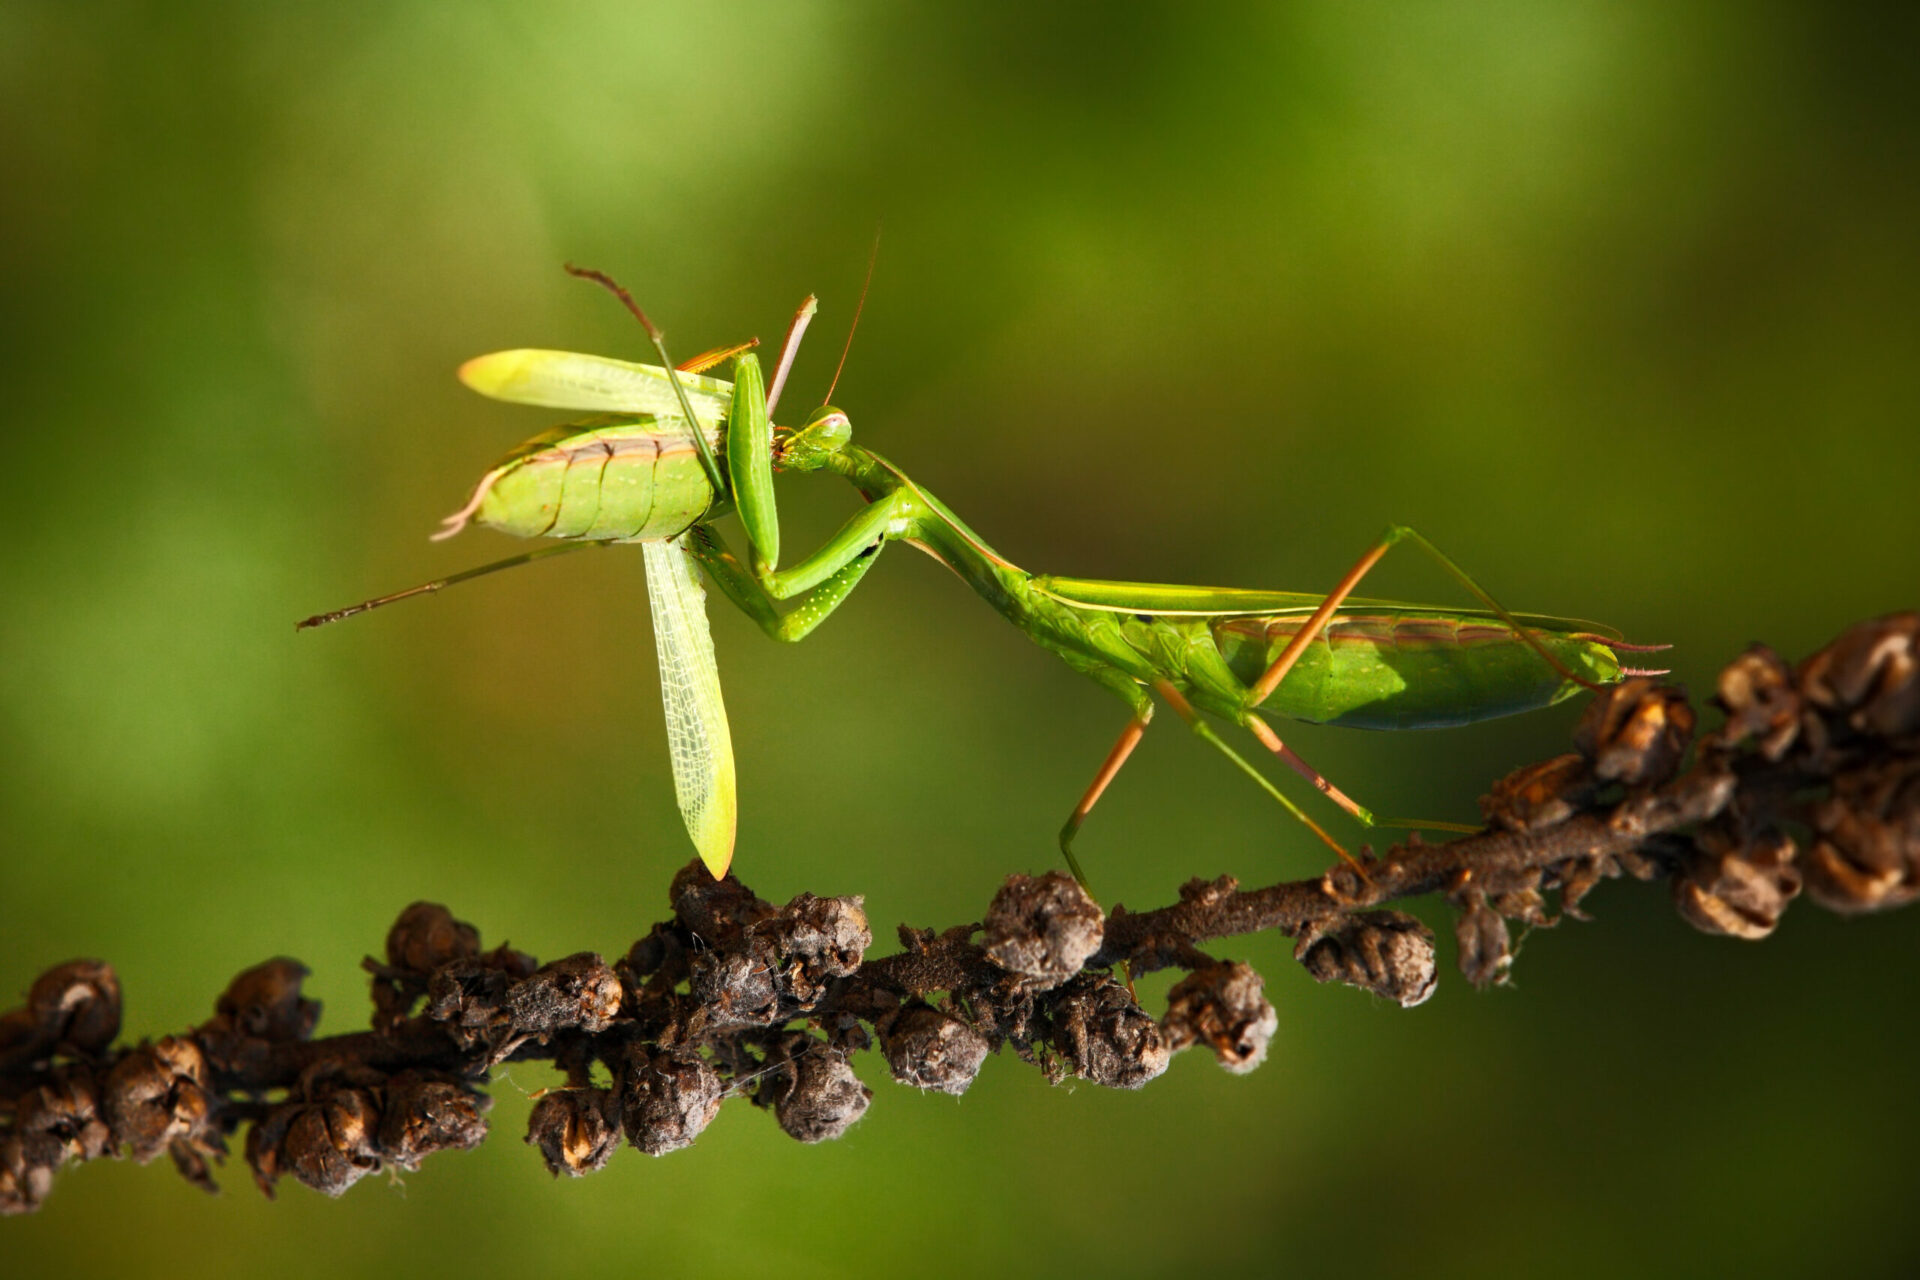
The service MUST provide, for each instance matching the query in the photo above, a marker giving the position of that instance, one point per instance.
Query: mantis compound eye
(828, 427)
(826, 432)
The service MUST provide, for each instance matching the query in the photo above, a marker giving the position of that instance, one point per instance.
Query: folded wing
(703, 778)
(572, 380)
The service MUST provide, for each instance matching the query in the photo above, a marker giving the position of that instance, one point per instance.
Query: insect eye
(828, 428)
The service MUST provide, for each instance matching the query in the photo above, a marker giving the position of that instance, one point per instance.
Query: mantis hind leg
(1185, 710)
(1316, 627)
(1321, 783)
(1317, 624)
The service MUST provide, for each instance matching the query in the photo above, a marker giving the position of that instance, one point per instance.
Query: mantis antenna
(707, 461)
(428, 588)
(873, 255)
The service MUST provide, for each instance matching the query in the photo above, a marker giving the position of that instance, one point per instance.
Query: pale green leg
(753, 599)
(873, 525)
(1178, 701)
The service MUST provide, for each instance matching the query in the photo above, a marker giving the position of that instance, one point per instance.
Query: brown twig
(1813, 781)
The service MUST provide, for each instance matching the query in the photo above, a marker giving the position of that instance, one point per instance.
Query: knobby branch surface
(1812, 782)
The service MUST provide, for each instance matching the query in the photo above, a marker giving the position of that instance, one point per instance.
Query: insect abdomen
(1393, 670)
(616, 477)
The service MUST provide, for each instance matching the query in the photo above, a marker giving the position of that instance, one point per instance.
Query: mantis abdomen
(611, 478)
(1402, 669)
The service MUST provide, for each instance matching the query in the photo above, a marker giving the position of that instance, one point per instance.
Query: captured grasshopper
(671, 451)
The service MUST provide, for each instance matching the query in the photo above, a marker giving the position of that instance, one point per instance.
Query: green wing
(570, 380)
(703, 779)
(1162, 598)
(1165, 600)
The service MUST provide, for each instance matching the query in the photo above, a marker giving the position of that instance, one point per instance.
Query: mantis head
(826, 432)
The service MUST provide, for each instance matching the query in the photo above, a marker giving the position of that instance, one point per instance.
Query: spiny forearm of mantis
(1812, 782)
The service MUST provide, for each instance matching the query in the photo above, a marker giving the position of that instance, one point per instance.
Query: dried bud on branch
(931, 1049)
(1757, 693)
(1866, 856)
(1104, 1036)
(1539, 795)
(1486, 948)
(1225, 1008)
(156, 1096)
(1386, 952)
(1635, 732)
(1737, 883)
(1043, 928)
(577, 1130)
(667, 1098)
(812, 1089)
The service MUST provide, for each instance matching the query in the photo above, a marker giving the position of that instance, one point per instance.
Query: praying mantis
(670, 450)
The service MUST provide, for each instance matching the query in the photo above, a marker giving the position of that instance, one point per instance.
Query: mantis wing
(1162, 600)
(570, 380)
(697, 735)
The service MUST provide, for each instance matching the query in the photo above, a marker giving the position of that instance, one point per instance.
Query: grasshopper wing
(570, 380)
(703, 779)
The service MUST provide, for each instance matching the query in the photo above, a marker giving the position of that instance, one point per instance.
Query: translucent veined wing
(697, 735)
(571, 380)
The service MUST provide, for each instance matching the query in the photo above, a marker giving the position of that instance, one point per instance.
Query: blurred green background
(1617, 303)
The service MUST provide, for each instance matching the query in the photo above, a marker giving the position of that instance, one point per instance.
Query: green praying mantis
(669, 451)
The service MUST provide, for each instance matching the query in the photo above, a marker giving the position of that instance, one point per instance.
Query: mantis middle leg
(1136, 697)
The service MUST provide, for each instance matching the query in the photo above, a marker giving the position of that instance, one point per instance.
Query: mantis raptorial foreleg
(815, 585)
(739, 585)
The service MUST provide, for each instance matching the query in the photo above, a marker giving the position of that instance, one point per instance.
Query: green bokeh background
(1617, 303)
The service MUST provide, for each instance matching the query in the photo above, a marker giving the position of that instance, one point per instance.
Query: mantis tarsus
(670, 451)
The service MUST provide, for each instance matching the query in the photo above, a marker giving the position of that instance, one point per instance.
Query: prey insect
(670, 451)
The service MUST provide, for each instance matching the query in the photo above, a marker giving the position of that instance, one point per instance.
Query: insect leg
(1184, 709)
(817, 583)
(810, 608)
(1135, 697)
(874, 524)
(1271, 740)
(428, 588)
(708, 463)
(789, 348)
(719, 355)
(1317, 624)
(750, 463)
